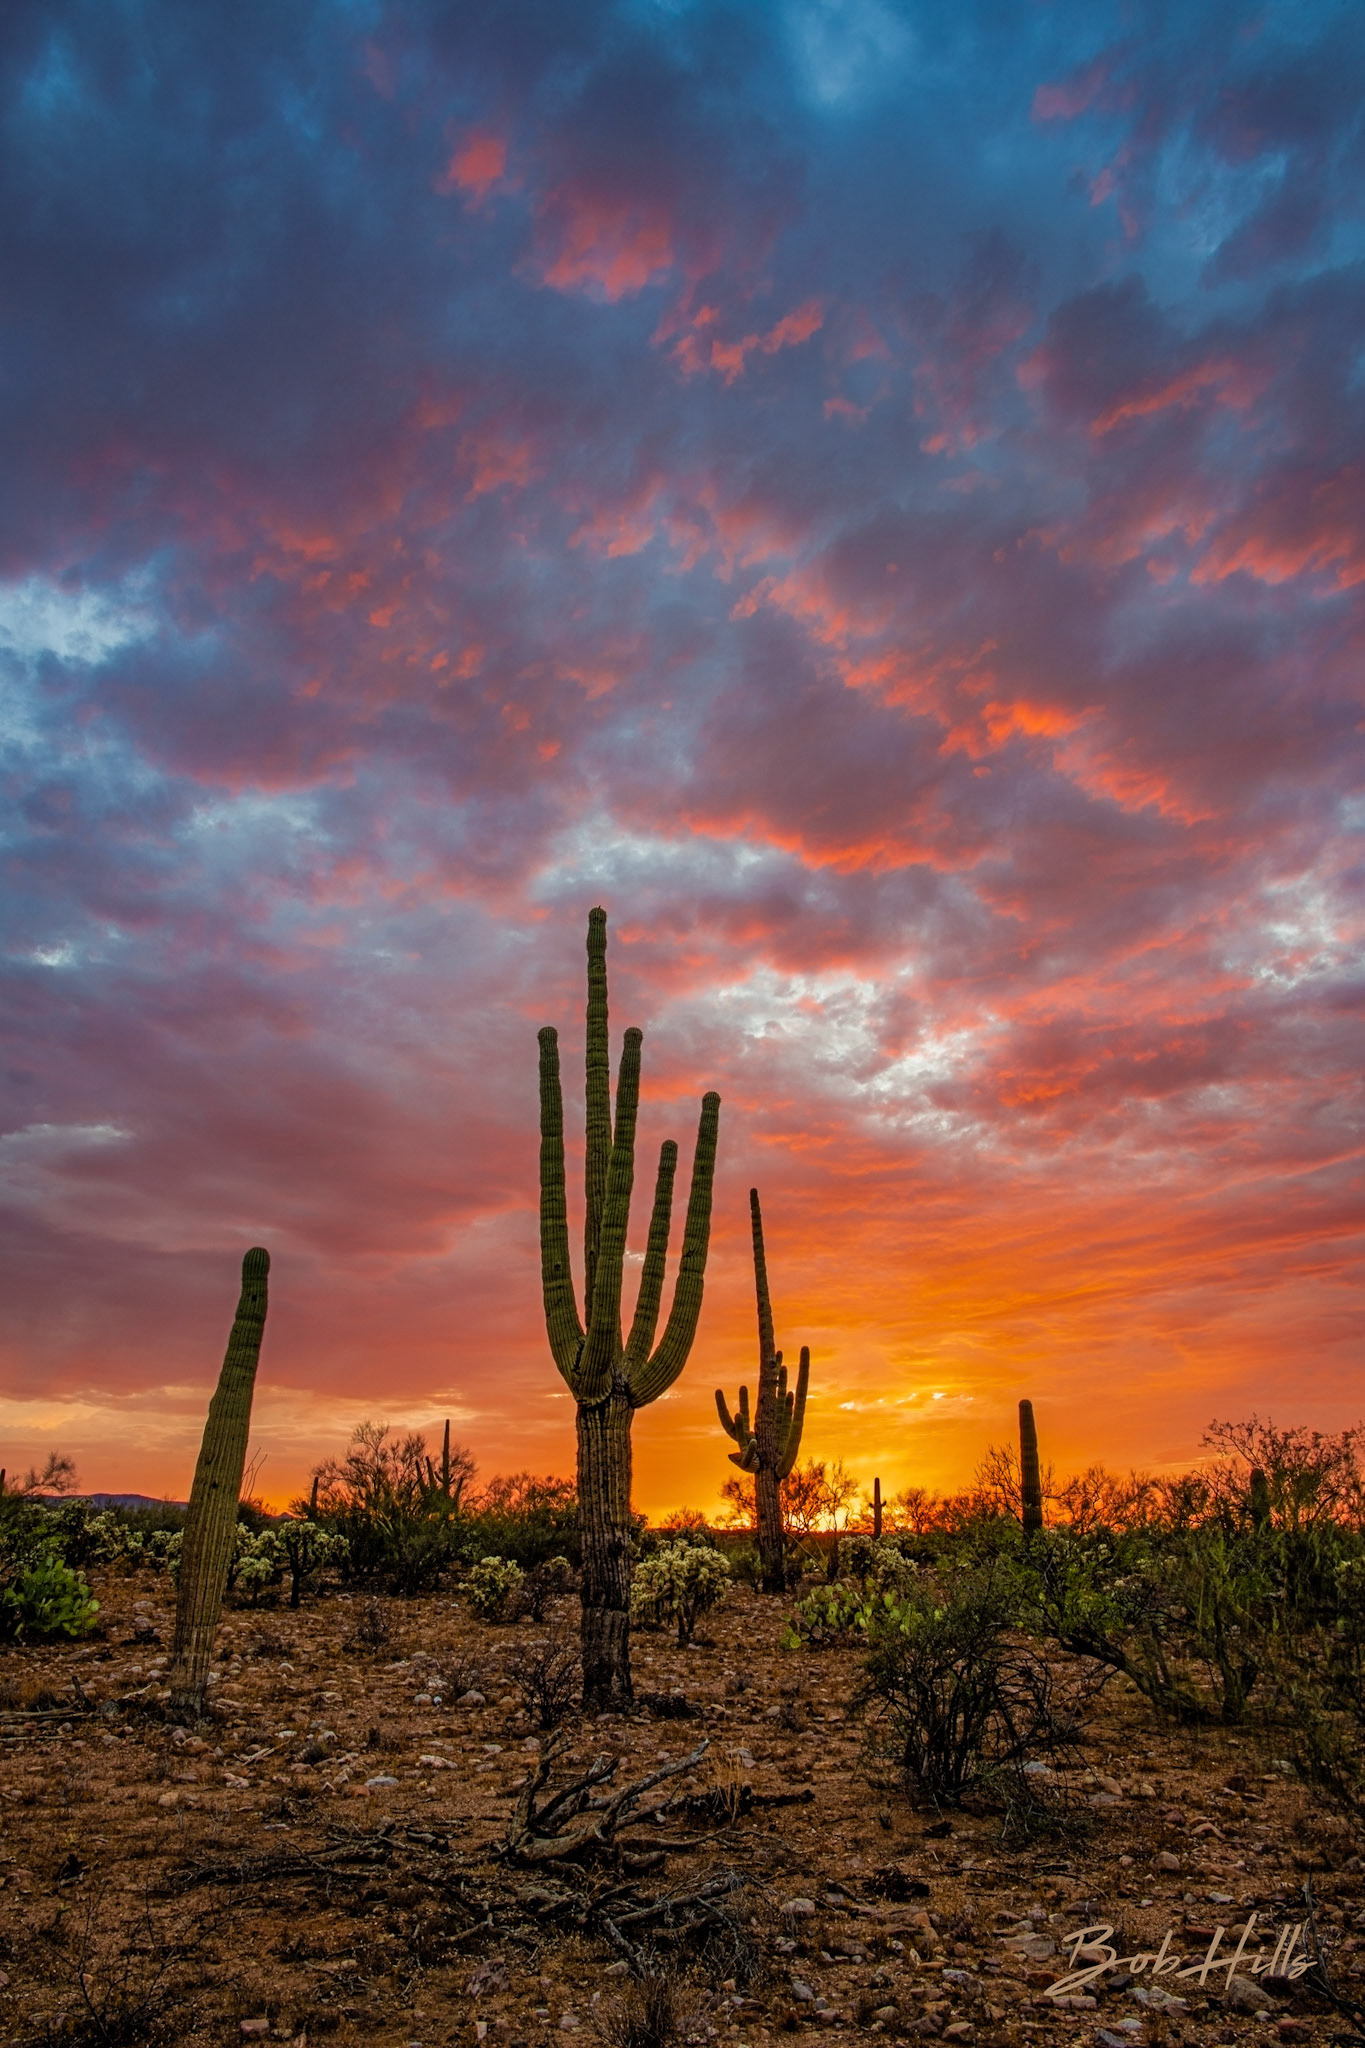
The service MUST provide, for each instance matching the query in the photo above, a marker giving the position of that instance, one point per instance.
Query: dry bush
(548, 1677)
(655, 2011)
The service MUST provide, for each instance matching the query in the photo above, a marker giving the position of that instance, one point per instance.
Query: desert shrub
(544, 1583)
(678, 1583)
(523, 1517)
(403, 1527)
(491, 1586)
(547, 1675)
(1187, 1615)
(963, 1703)
(655, 2010)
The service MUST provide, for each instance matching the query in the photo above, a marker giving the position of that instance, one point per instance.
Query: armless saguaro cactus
(610, 1379)
(1030, 1472)
(769, 1447)
(211, 1523)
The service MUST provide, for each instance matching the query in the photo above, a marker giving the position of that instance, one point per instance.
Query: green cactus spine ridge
(608, 1376)
(211, 1520)
(1030, 1471)
(769, 1443)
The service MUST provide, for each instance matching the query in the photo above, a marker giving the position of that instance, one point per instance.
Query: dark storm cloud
(874, 494)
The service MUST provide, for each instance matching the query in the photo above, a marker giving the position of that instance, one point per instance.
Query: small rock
(1156, 2000)
(799, 1909)
(960, 2030)
(488, 1978)
(1109, 1785)
(382, 1780)
(257, 2026)
(1244, 1995)
(1105, 1799)
(169, 1799)
(471, 1699)
(1167, 1861)
(887, 2013)
(802, 1993)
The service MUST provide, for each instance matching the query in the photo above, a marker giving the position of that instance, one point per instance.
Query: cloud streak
(900, 549)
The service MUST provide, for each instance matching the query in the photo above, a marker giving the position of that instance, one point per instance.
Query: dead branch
(577, 1818)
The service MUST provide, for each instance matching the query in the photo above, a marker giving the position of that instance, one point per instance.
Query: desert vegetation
(436, 1759)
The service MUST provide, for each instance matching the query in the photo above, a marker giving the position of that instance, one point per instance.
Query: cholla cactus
(678, 1583)
(305, 1548)
(769, 1445)
(492, 1585)
(212, 1517)
(881, 1565)
(259, 1566)
(610, 1378)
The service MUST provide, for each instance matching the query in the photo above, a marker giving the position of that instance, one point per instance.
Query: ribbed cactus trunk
(1030, 1471)
(608, 1378)
(604, 1532)
(877, 1510)
(211, 1523)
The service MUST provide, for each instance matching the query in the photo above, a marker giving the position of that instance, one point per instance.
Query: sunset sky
(871, 491)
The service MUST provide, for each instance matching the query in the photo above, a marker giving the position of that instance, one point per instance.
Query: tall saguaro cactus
(608, 1378)
(1030, 1471)
(211, 1523)
(768, 1447)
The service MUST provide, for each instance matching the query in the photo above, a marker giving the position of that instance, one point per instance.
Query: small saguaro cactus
(608, 1378)
(1030, 1472)
(211, 1522)
(769, 1445)
(876, 1510)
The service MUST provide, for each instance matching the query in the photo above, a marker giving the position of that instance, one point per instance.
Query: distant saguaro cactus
(211, 1522)
(610, 1379)
(876, 1510)
(768, 1447)
(1030, 1472)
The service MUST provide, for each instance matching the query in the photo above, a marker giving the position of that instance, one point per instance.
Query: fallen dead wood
(578, 1817)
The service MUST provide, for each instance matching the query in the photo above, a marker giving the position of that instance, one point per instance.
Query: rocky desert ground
(334, 1853)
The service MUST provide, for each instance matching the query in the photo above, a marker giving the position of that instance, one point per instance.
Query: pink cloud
(476, 165)
(603, 243)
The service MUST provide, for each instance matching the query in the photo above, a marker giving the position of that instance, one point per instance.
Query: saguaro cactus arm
(647, 1302)
(603, 1346)
(737, 1427)
(658, 1373)
(795, 1416)
(211, 1520)
(556, 1275)
(597, 1158)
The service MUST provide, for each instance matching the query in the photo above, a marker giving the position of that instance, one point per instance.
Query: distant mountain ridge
(128, 1500)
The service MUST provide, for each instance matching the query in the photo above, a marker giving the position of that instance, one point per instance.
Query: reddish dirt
(218, 1877)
